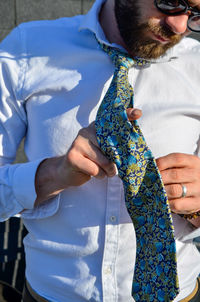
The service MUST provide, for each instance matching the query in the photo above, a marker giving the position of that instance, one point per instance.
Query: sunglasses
(178, 7)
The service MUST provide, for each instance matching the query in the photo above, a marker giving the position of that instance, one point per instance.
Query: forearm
(48, 181)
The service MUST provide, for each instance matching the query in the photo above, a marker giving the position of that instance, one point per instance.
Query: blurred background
(14, 12)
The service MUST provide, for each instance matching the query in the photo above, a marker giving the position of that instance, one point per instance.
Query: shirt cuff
(45, 210)
(24, 183)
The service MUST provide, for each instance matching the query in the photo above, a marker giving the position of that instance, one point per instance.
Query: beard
(135, 34)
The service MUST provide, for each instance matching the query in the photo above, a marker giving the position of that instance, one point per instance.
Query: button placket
(109, 283)
(113, 219)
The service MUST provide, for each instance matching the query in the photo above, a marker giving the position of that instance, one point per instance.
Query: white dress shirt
(53, 76)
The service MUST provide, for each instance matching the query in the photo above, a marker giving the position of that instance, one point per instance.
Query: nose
(178, 24)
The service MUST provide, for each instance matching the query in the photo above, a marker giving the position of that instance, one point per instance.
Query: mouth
(160, 38)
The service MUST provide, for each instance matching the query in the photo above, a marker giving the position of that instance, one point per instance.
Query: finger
(178, 175)
(90, 168)
(177, 160)
(94, 154)
(185, 205)
(83, 149)
(133, 114)
(89, 133)
(91, 150)
(175, 191)
(82, 165)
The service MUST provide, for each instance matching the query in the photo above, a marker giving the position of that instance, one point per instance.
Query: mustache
(134, 31)
(165, 32)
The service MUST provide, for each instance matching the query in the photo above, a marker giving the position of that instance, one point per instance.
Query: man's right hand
(83, 161)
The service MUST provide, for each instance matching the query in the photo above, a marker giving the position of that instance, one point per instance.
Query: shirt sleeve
(17, 181)
(17, 190)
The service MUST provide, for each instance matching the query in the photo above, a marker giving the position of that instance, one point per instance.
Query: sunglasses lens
(177, 7)
(194, 23)
(171, 6)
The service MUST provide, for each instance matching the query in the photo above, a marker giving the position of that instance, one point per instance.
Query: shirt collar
(91, 22)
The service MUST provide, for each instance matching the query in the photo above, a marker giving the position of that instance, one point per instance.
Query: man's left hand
(179, 169)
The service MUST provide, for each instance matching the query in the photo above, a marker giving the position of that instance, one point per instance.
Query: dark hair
(126, 10)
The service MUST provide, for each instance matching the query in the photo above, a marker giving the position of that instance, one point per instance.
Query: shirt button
(107, 270)
(113, 219)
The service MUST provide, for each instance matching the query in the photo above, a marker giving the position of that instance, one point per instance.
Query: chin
(150, 49)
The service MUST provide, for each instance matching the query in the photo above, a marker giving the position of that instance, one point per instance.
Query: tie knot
(120, 58)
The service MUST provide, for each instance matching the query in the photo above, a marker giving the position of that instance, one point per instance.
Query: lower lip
(160, 39)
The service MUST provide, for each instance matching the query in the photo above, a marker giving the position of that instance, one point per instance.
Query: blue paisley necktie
(155, 276)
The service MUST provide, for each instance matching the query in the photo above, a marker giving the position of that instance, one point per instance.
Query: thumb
(133, 114)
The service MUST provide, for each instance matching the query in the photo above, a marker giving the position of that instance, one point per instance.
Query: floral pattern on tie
(155, 276)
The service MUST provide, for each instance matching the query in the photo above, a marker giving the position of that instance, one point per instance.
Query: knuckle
(72, 156)
(175, 175)
(174, 191)
(75, 149)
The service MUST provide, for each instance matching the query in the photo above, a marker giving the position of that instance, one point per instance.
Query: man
(81, 241)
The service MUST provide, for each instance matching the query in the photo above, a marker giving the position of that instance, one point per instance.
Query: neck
(109, 24)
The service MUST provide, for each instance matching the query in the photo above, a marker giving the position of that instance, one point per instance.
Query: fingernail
(135, 112)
